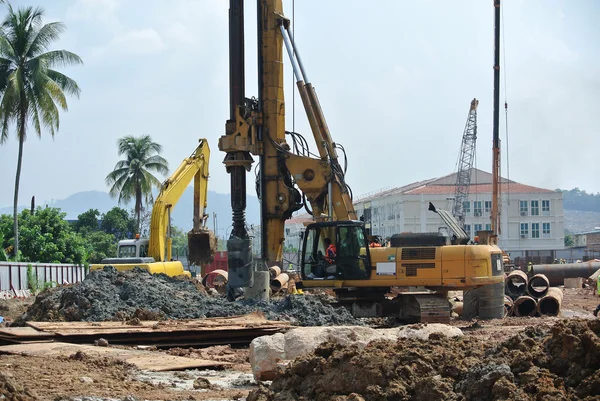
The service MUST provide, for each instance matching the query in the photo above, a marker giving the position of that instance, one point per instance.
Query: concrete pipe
(557, 273)
(515, 284)
(508, 306)
(551, 302)
(538, 286)
(279, 282)
(525, 306)
(215, 279)
(458, 308)
(274, 271)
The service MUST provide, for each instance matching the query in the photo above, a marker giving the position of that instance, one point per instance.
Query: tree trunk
(16, 200)
(138, 206)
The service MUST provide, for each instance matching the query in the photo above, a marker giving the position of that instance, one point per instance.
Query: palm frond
(44, 37)
(67, 84)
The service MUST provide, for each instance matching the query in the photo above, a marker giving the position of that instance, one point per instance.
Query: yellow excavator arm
(194, 167)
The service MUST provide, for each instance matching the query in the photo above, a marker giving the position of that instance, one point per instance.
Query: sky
(394, 78)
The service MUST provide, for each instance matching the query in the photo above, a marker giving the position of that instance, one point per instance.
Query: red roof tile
(513, 187)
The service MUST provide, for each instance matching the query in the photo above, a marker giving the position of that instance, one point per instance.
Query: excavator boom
(201, 242)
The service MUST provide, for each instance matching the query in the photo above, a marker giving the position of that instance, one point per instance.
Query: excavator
(290, 177)
(155, 254)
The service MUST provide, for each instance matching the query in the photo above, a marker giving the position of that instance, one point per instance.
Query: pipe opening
(516, 284)
(525, 306)
(549, 306)
(538, 286)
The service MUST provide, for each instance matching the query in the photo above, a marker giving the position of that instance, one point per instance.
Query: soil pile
(109, 294)
(560, 363)
(11, 390)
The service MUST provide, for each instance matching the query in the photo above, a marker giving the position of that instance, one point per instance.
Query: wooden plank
(23, 332)
(77, 328)
(244, 321)
(146, 360)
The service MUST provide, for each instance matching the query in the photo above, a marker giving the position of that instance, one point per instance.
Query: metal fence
(13, 276)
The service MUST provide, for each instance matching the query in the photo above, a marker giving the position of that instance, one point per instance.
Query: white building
(531, 218)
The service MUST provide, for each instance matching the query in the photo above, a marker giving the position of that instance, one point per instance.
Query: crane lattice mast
(465, 164)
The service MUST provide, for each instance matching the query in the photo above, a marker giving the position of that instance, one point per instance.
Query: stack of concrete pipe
(279, 280)
(531, 296)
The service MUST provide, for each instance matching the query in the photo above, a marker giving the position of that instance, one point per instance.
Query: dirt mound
(561, 363)
(109, 294)
(11, 390)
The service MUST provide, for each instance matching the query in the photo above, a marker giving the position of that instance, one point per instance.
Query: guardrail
(13, 275)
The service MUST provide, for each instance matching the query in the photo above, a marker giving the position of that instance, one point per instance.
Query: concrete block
(574, 282)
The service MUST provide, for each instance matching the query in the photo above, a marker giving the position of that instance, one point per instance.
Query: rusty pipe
(538, 286)
(525, 306)
(279, 282)
(218, 274)
(508, 306)
(557, 273)
(516, 284)
(550, 304)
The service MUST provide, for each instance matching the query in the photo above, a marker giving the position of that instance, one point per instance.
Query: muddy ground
(560, 363)
(82, 377)
(489, 357)
(109, 294)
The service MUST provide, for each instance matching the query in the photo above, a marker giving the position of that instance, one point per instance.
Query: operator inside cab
(326, 266)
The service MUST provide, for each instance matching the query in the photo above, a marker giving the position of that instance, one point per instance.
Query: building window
(523, 208)
(468, 229)
(545, 230)
(477, 208)
(488, 227)
(524, 230)
(535, 230)
(467, 207)
(488, 206)
(535, 208)
(477, 228)
(546, 207)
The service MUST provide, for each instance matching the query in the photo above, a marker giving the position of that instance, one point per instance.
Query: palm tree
(32, 90)
(131, 177)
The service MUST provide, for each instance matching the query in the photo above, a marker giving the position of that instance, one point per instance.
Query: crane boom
(465, 164)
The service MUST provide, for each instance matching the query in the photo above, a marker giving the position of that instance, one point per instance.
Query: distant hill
(218, 203)
(578, 221)
(576, 199)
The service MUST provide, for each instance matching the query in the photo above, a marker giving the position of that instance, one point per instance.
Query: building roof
(481, 183)
(513, 188)
(594, 231)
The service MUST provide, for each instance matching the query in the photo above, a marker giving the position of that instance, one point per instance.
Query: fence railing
(13, 275)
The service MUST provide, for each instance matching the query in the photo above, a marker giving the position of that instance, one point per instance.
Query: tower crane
(465, 164)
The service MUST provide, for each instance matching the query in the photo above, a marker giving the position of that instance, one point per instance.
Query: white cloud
(104, 11)
(146, 41)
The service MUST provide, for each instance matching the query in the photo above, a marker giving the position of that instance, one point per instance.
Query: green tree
(3, 255)
(569, 241)
(47, 237)
(132, 177)
(100, 245)
(118, 223)
(32, 89)
(87, 221)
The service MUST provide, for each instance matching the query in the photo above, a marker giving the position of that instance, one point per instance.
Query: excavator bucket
(202, 246)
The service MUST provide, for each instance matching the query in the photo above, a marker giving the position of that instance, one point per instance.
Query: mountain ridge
(182, 213)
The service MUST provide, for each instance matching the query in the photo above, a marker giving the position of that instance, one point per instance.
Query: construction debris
(560, 363)
(268, 353)
(109, 294)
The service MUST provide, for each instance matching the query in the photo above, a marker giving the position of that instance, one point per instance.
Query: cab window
(127, 251)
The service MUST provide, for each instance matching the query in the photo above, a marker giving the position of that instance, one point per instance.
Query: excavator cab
(349, 242)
